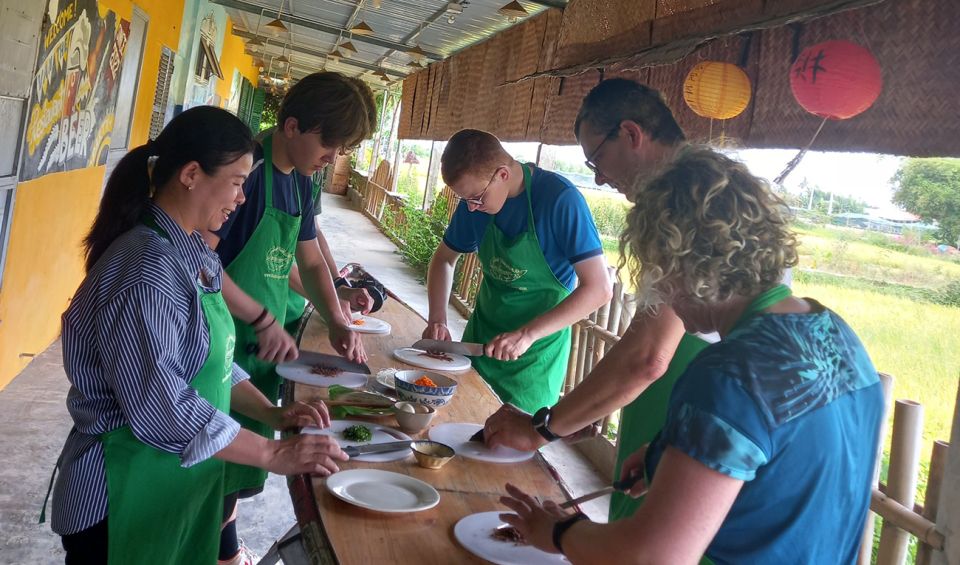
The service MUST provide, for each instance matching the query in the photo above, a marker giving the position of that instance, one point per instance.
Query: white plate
(381, 434)
(299, 371)
(370, 325)
(473, 533)
(382, 491)
(457, 436)
(386, 380)
(414, 357)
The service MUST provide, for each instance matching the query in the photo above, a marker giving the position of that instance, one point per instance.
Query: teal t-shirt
(791, 404)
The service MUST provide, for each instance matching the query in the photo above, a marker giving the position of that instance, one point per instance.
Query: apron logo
(279, 261)
(228, 357)
(504, 272)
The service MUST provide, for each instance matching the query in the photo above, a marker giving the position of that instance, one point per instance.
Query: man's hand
(347, 343)
(512, 427)
(509, 346)
(276, 345)
(358, 298)
(436, 330)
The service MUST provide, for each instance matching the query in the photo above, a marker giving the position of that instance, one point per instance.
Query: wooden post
(901, 477)
(931, 498)
(866, 543)
(433, 169)
(375, 158)
(948, 513)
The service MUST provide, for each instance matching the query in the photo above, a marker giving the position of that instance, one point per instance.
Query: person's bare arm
(439, 287)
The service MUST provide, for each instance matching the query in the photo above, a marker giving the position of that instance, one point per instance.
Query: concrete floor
(35, 421)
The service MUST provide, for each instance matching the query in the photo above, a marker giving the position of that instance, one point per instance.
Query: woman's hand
(276, 345)
(632, 466)
(533, 520)
(305, 453)
(358, 299)
(299, 414)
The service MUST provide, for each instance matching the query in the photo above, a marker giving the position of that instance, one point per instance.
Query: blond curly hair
(706, 230)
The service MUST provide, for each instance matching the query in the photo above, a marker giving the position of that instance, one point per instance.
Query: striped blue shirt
(134, 337)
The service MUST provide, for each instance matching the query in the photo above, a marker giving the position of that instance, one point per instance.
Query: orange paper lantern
(718, 90)
(835, 79)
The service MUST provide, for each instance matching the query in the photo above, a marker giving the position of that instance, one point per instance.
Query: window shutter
(162, 94)
(256, 111)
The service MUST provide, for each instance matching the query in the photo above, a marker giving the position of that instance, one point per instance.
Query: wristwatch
(541, 423)
(340, 281)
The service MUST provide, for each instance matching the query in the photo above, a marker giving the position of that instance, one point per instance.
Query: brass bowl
(432, 454)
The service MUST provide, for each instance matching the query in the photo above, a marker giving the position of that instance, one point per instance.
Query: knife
(355, 450)
(458, 347)
(621, 485)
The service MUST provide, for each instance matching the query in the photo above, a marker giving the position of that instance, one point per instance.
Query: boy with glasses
(543, 267)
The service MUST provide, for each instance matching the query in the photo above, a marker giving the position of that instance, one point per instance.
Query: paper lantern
(835, 79)
(718, 90)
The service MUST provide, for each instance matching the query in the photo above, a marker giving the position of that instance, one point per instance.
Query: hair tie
(151, 163)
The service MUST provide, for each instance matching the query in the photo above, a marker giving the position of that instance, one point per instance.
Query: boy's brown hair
(471, 151)
(341, 109)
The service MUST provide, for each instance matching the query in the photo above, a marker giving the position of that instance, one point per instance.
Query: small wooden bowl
(432, 454)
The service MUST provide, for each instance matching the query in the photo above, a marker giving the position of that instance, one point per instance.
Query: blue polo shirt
(564, 226)
(791, 405)
(236, 232)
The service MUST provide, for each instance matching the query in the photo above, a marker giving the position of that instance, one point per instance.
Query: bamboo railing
(591, 337)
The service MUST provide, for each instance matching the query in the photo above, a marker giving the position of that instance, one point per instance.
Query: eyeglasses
(589, 162)
(478, 199)
(347, 151)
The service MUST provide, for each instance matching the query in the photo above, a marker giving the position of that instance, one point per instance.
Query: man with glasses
(543, 267)
(322, 116)
(626, 132)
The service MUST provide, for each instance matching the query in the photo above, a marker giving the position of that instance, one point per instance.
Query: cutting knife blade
(355, 450)
(458, 347)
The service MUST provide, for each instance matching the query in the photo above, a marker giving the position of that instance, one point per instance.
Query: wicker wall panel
(595, 29)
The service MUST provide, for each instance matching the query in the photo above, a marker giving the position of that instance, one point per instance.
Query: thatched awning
(507, 85)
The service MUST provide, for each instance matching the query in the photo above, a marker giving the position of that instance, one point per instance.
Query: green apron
(518, 285)
(262, 270)
(296, 304)
(642, 419)
(158, 511)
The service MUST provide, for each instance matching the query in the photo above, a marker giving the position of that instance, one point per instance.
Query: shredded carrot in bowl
(425, 381)
(358, 322)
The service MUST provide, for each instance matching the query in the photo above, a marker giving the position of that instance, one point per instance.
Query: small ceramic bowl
(432, 454)
(415, 421)
(435, 396)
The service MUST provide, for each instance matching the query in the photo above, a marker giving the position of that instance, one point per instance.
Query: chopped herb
(357, 433)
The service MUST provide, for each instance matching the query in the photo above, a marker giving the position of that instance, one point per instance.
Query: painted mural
(75, 88)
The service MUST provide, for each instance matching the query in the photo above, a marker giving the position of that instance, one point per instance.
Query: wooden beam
(320, 55)
(320, 26)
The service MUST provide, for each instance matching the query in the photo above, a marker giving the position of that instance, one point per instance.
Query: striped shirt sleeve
(137, 335)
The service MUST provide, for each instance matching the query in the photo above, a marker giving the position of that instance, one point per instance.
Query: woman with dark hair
(769, 444)
(148, 347)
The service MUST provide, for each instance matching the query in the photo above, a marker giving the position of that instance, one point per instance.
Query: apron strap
(527, 187)
(53, 476)
(762, 302)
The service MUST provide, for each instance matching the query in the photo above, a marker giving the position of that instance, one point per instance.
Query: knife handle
(623, 485)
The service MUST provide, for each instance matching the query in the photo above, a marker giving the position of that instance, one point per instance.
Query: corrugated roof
(316, 27)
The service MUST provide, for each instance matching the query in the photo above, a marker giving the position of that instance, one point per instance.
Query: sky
(865, 176)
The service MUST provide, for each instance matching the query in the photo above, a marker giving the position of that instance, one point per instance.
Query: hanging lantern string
(796, 160)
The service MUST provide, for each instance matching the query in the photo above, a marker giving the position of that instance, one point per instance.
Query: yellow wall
(52, 214)
(232, 57)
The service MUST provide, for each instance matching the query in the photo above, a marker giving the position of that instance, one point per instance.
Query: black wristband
(340, 281)
(263, 314)
(562, 526)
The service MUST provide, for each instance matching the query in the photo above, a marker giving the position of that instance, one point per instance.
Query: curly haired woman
(770, 442)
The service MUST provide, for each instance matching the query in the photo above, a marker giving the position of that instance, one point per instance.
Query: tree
(930, 188)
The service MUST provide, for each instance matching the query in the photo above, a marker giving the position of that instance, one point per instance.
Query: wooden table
(338, 532)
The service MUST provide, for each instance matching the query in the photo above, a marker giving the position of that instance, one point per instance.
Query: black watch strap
(562, 526)
(340, 281)
(541, 423)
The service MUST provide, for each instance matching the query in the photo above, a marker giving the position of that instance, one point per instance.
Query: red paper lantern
(835, 79)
